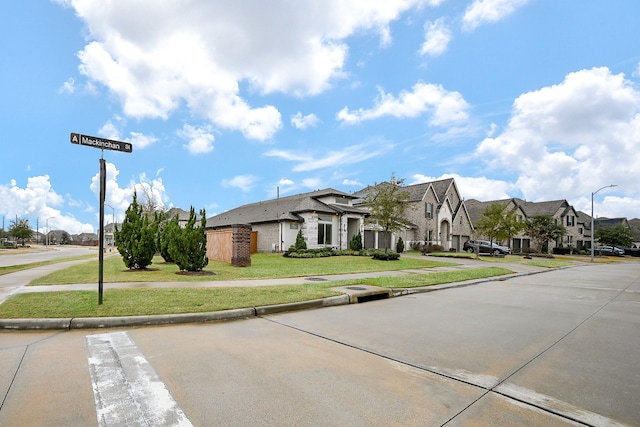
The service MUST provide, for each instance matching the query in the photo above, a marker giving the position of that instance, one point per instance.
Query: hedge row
(327, 252)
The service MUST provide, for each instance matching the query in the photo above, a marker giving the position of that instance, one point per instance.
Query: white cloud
(445, 107)
(352, 183)
(200, 140)
(156, 57)
(567, 140)
(40, 204)
(243, 182)
(437, 38)
(483, 11)
(111, 130)
(118, 199)
(68, 87)
(303, 122)
(348, 156)
(479, 188)
(140, 140)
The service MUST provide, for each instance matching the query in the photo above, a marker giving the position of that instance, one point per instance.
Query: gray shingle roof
(283, 208)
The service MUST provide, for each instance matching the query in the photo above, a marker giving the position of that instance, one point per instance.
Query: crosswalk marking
(126, 389)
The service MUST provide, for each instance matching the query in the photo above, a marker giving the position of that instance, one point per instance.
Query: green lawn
(263, 266)
(134, 302)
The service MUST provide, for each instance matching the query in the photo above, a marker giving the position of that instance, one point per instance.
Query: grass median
(136, 302)
(15, 268)
(263, 266)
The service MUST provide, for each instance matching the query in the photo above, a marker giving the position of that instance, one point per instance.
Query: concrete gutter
(166, 319)
(352, 295)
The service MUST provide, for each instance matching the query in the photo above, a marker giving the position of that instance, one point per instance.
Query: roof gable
(283, 208)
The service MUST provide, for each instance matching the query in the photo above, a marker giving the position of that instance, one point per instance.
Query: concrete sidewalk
(15, 283)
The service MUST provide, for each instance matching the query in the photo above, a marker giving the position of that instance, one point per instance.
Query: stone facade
(436, 213)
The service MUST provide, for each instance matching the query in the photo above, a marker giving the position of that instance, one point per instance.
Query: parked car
(609, 250)
(485, 247)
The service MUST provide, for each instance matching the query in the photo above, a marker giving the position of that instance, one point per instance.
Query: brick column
(241, 245)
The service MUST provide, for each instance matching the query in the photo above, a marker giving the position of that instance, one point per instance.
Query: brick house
(436, 213)
(577, 232)
(326, 217)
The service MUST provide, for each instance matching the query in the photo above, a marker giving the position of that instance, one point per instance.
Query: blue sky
(227, 102)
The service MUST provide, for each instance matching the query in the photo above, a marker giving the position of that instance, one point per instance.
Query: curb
(165, 319)
(216, 316)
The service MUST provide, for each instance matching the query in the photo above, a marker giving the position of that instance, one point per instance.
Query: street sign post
(103, 144)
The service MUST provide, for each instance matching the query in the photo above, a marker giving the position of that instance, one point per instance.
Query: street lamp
(113, 219)
(113, 213)
(592, 221)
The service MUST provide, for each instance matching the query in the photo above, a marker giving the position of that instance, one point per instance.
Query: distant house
(327, 218)
(183, 216)
(577, 233)
(436, 214)
(84, 239)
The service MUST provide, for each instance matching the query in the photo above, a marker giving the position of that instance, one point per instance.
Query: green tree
(387, 204)
(65, 239)
(511, 226)
(618, 235)
(21, 230)
(188, 247)
(355, 244)
(542, 228)
(166, 233)
(491, 220)
(400, 245)
(300, 244)
(136, 240)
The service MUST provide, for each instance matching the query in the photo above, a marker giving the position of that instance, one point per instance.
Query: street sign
(104, 144)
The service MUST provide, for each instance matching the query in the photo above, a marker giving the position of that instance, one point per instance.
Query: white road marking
(554, 405)
(126, 388)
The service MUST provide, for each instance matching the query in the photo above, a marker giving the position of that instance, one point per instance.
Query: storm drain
(371, 297)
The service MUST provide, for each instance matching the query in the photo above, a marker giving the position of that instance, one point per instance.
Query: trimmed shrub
(300, 244)
(385, 256)
(355, 244)
(400, 245)
(310, 253)
(427, 249)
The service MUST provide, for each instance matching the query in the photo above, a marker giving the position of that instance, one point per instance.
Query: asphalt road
(557, 348)
(43, 253)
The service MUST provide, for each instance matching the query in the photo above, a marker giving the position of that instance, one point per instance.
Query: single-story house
(327, 218)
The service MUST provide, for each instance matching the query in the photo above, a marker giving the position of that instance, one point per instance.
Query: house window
(324, 234)
(570, 220)
(428, 210)
(570, 240)
(580, 230)
(325, 229)
(519, 218)
(293, 226)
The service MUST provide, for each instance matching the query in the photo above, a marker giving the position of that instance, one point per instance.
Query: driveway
(557, 348)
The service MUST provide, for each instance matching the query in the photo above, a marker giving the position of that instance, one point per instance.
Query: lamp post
(593, 231)
(113, 213)
(113, 219)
